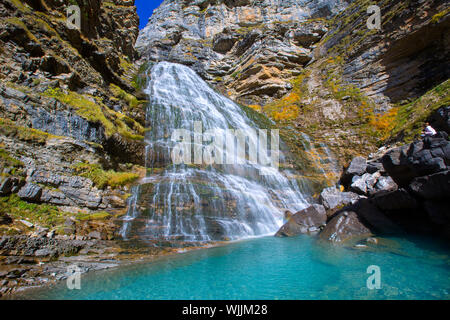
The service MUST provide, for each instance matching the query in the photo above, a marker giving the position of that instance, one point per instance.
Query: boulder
(374, 218)
(385, 184)
(420, 158)
(308, 220)
(438, 211)
(30, 192)
(365, 184)
(6, 185)
(395, 200)
(374, 166)
(440, 119)
(332, 198)
(344, 227)
(435, 186)
(357, 167)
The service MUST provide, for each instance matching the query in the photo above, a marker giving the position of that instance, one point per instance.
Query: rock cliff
(314, 65)
(71, 111)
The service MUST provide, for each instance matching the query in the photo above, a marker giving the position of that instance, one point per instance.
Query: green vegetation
(408, 123)
(101, 215)
(102, 178)
(8, 161)
(119, 93)
(437, 17)
(11, 129)
(140, 78)
(92, 109)
(41, 214)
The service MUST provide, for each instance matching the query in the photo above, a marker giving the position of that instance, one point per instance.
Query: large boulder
(365, 184)
(374, 218)
(396, 200)
(344, 227)
(435, 186)
(357, 167)
(420, 158)
(332, 198)
(440, 119)
(438, 211)
(309, 220)
(30, 192)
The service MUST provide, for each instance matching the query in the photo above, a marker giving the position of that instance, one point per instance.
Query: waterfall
(198, 201)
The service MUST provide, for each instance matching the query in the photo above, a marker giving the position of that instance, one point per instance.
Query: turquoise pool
(273, 268)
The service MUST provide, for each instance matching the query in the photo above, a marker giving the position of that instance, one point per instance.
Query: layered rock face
(71, 118)
(252, 49)
(313, 65)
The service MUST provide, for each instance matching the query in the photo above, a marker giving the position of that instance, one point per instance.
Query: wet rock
(332, 198)
(30, 192)
(115, 201)
(344, 227)
(309, 220)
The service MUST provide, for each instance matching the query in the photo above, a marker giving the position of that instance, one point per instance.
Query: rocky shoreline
(397, 191)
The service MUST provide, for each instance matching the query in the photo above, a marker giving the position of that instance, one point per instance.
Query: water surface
(273, 268)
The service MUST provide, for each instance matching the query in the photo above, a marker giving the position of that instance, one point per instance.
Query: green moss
(102, 178)
(7, 161)
(92, 109)
(131, 100)
(10, 129)
(102, 215)
(437, 17)
(41, 214)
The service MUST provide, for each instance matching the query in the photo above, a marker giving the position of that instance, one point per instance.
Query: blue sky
(145, 9)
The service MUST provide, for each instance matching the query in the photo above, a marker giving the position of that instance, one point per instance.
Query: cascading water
(199, 202)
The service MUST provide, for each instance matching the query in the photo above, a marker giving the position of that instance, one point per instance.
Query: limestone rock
(344, 227)
(30, 192)
(332, 198)
(357, 167)
(309, 220)
(6, 185)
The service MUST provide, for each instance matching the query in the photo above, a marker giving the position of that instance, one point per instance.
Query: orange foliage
(384, 123)
(255, 107)
(288, 113)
